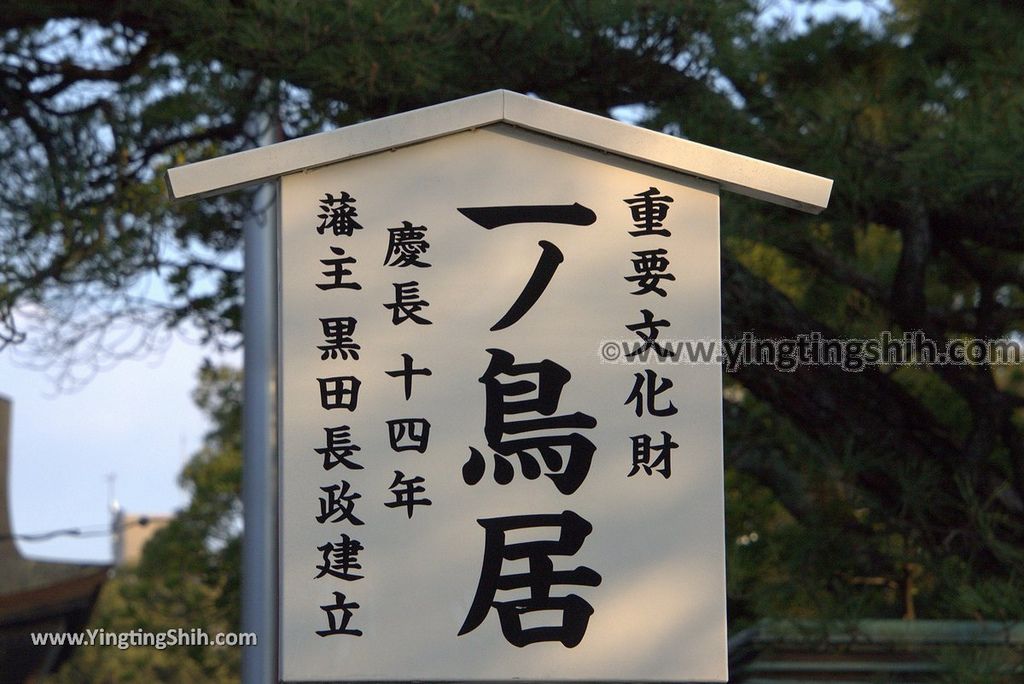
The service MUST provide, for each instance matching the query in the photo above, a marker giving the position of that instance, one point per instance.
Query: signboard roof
(734, 172)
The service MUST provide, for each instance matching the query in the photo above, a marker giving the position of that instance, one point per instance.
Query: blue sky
(136, 420)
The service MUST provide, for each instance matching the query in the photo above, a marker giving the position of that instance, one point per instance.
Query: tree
(98, 99)
(189, 573)
(894, 490)
(917, 472)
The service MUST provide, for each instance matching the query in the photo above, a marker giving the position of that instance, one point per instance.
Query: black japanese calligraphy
(405, 246)
(339, 392)
(338, 505)
(409, 434)
(407, 372)
(407, 304)
(648, 332)
(494, 217)
(338, 338)
(540, 578)
(649, 210)
(643, 450)
(340, 559)
(405, 490)
(550, 258)
(645, 394)
(345, 609)
(650, 266)
(337, 271)
(501, 403)
(338, 448)
(338, 214)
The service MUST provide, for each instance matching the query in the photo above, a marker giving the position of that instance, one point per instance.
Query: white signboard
(475, 484)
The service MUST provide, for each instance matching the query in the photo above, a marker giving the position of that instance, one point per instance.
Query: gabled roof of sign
(734, 172)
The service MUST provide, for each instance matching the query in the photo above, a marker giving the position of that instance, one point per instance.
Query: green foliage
(914, 120)
(189, 573)
(131, 602)
(981, 665)
(203, 541)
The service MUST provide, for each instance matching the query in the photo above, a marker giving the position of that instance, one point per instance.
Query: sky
(136, 421)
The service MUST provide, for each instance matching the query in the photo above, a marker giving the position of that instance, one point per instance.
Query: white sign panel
(474, 484)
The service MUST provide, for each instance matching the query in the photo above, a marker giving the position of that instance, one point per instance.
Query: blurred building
(131, 532)
(36, 596)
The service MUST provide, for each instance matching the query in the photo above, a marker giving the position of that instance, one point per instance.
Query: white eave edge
(733, 172)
